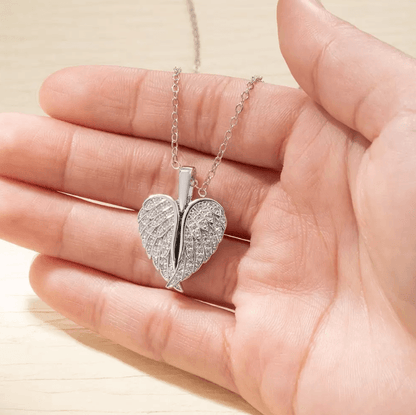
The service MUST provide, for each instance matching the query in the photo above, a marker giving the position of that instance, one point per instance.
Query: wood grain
(47, 363)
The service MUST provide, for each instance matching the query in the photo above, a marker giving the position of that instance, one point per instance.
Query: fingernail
(318, 3)
(33, 259)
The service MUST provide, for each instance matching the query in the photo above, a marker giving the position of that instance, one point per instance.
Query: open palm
(318, 309)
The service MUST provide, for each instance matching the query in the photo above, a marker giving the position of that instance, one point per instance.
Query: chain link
(175, 87)
(195, 34)
(174, 130)
(202, 190)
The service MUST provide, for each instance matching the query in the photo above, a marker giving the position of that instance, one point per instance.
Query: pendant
(179, 236)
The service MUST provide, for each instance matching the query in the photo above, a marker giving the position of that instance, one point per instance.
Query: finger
(358, 79)
(104, 238)
(138, 102)
(158, 324)
(118, 169)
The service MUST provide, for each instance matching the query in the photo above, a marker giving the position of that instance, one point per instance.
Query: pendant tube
(186, 187)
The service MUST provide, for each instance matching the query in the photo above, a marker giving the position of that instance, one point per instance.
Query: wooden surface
(47, 363)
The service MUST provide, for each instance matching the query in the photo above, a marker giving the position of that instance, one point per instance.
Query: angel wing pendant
(179, 236)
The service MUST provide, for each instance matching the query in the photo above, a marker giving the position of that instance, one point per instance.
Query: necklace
(181, 235)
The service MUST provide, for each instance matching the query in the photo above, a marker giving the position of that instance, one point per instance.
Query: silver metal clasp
(186, 186)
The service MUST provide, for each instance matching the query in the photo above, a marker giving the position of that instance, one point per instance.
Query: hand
(322, 182)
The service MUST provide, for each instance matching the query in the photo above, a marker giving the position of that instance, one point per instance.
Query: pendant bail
(186, 186)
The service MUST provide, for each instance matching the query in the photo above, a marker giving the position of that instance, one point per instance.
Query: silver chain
(195, 34)
(202, 190)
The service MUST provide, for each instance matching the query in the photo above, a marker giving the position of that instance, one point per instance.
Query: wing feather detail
(203, 227)
(158, 223)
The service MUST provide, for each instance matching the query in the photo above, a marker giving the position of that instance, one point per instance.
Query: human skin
(321, 312)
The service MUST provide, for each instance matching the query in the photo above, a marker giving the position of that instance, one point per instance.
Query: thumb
(358, 79)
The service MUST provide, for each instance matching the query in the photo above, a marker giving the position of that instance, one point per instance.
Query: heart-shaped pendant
(179, 236)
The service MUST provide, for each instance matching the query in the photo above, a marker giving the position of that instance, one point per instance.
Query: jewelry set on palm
(181, 235)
